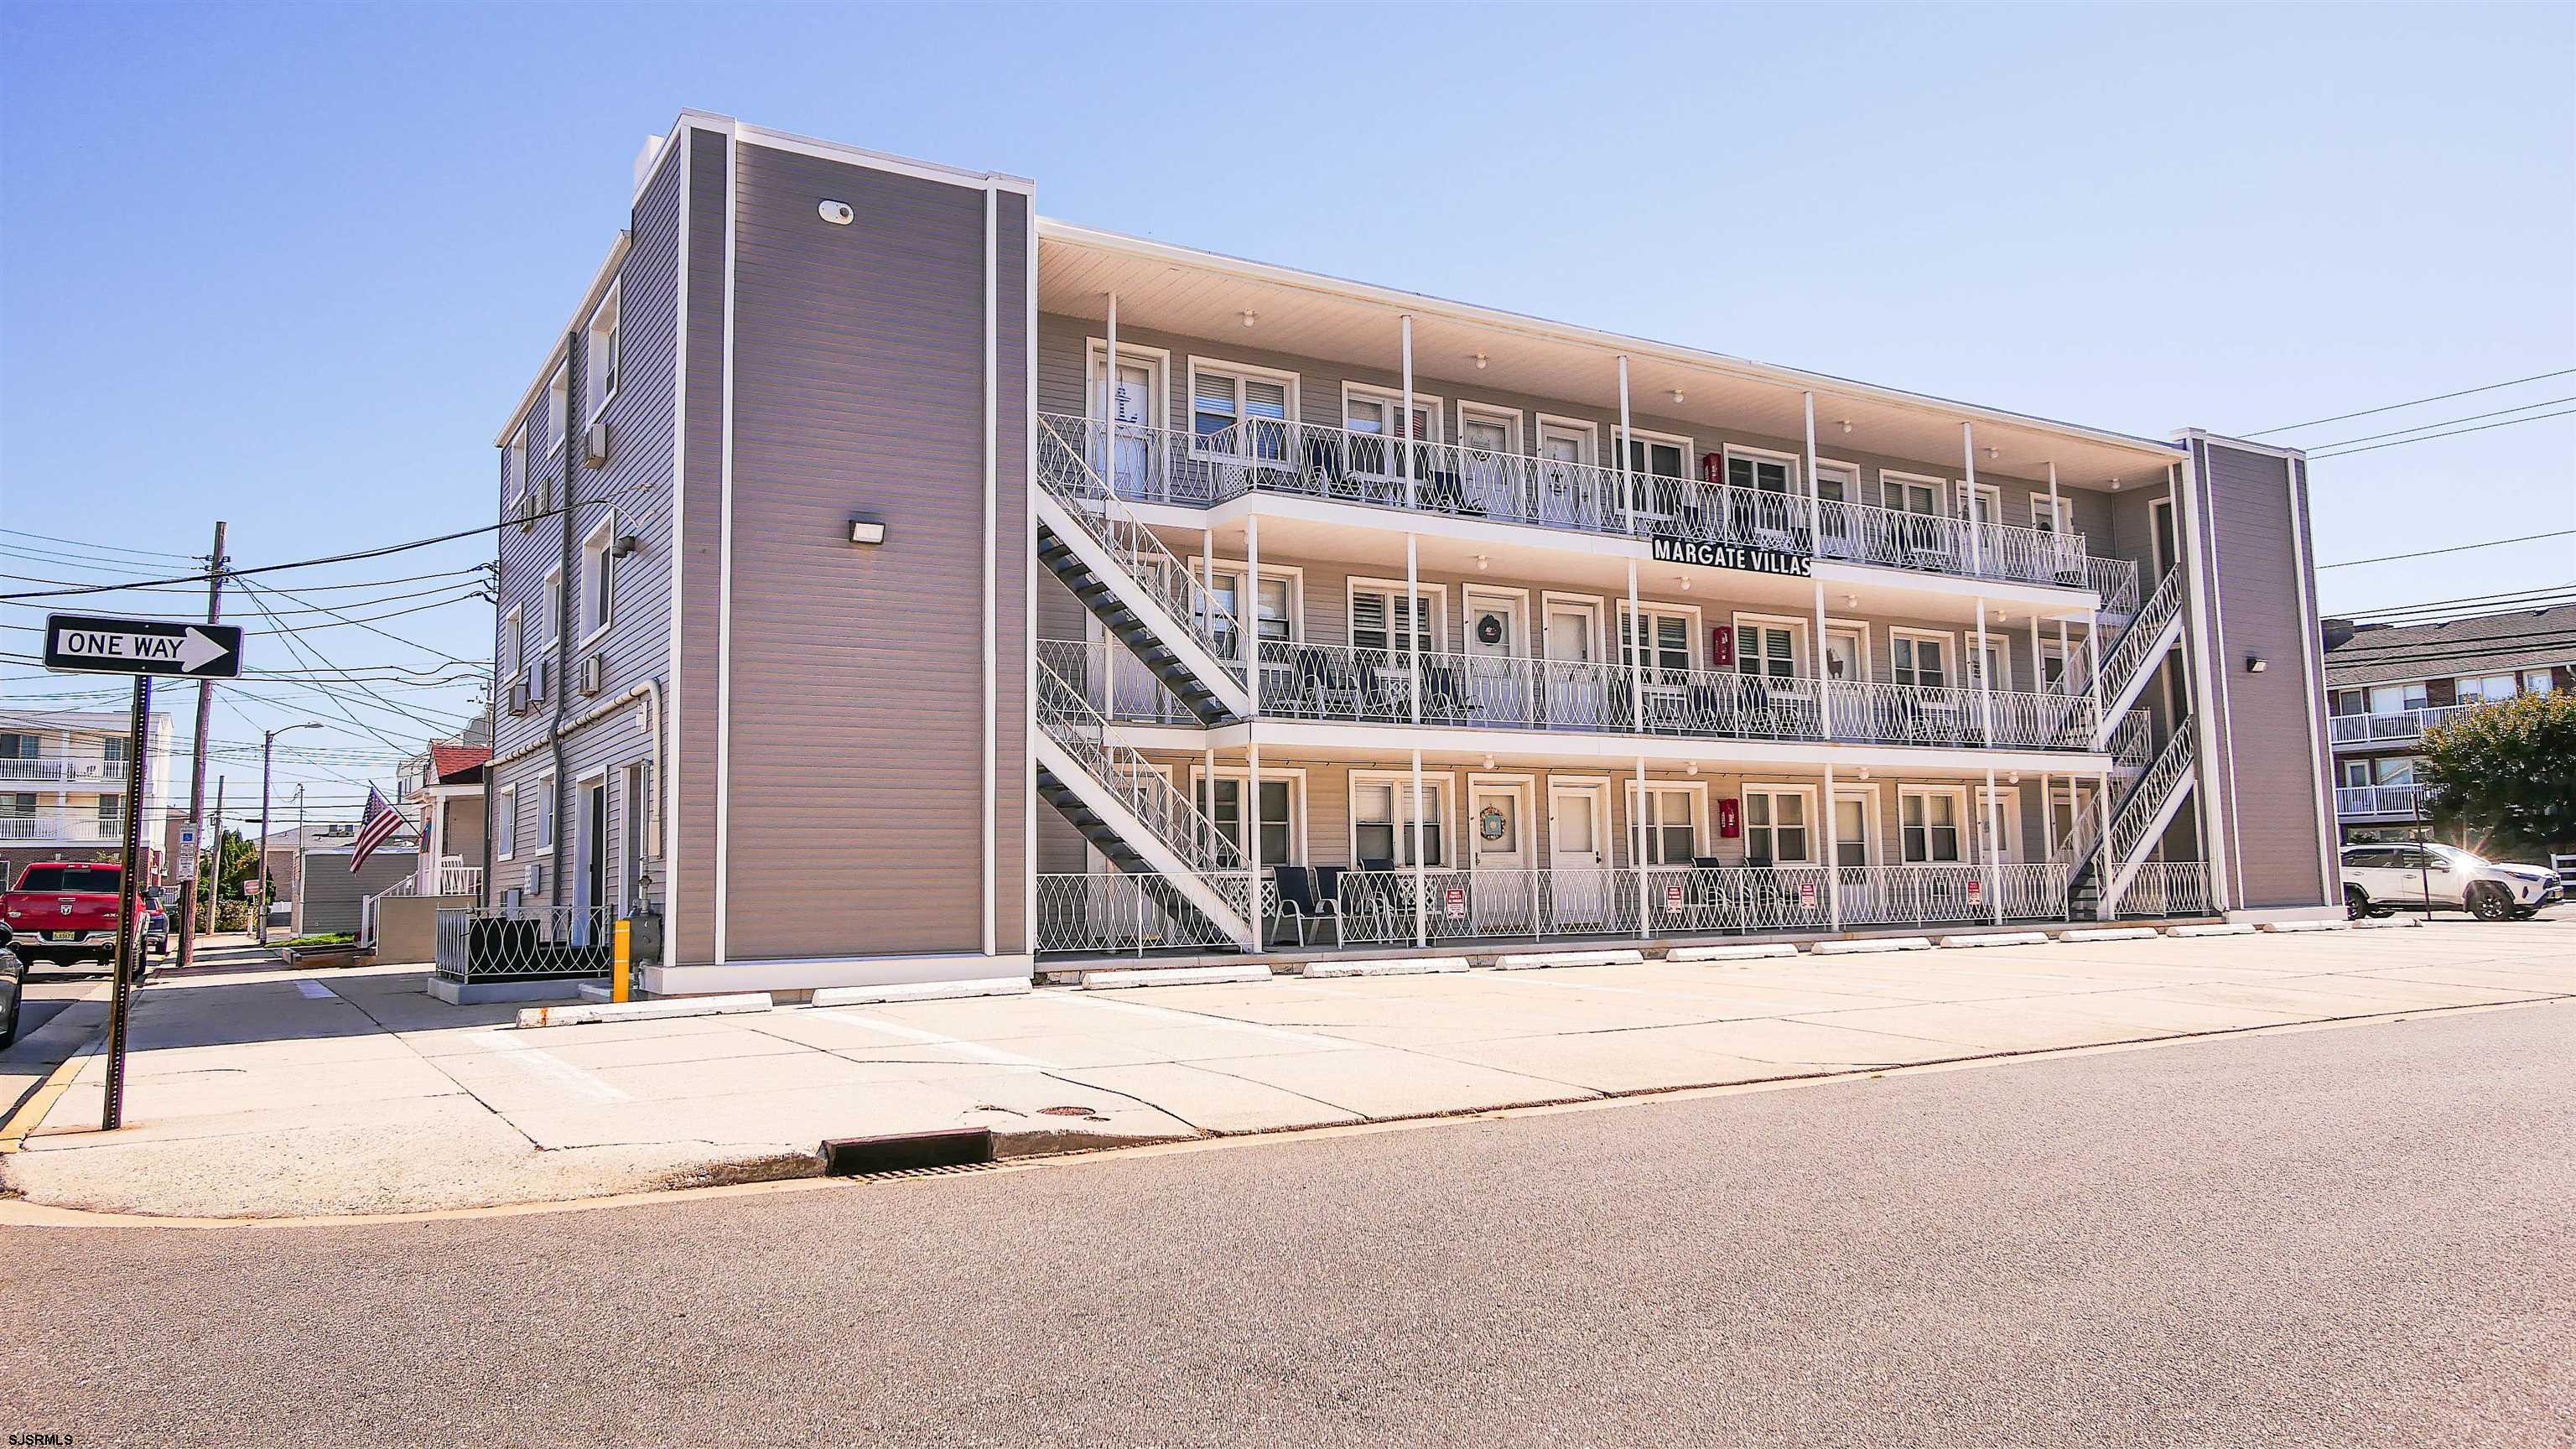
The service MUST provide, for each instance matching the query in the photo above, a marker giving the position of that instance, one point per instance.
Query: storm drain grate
(908, 1152)
(897, 1174)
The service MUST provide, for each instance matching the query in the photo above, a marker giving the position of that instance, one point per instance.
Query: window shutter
(1214, 392)
(1368, 621)
(1264, 399)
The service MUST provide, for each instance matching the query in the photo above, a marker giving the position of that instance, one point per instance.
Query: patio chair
(1303, 903)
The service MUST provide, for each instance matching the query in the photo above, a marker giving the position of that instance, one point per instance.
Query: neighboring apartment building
(2392, 683)
(441, 790)
(62, 786)
(892, 564)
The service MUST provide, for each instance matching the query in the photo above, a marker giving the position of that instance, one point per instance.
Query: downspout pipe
(563, 609)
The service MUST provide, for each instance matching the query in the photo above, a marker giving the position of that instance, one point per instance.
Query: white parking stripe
(549, 1066)
(317, 991)
(974, 1049)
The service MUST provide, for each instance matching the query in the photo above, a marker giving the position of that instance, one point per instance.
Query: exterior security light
(838, 213)
(867, 531)
(2256, 664)
(1480, 362)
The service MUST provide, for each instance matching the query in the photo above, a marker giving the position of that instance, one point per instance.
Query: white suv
(2380, 878)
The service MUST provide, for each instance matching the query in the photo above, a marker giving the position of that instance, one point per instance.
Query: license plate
(62, 935)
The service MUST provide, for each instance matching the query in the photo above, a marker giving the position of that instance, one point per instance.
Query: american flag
(381, 821)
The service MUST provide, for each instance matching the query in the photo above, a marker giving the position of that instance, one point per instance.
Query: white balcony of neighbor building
(2394, 727)
(63, 827)
(89, 773)
(2375, 802)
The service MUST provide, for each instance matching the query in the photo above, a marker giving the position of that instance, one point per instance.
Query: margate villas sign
(1745, 557)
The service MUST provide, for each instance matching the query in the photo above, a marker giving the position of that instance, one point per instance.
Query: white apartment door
(1131, 414)
(2007, 815)
(1853, 856)
(1501, 894)
(1578, 861)
(1573, 690)
(590, 862)
(1981, 503)
(1565, 496)
(1498, 678)
(1842, 656)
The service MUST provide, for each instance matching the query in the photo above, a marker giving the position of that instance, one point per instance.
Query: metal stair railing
(1068, 476)
(2127, 654)
(1142, 789)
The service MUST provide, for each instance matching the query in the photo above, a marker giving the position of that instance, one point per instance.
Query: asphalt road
(2352, 1236)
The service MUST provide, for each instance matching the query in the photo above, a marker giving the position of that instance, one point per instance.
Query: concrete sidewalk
(273, 1093)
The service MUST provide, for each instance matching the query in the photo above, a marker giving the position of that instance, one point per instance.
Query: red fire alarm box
(1712, 467)
(1730, 819)
(1721, 647)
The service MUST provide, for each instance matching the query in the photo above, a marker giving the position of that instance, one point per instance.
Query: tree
(2505, 776)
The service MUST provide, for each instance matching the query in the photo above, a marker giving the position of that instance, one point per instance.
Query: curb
(924, 991)
(31, 1113)
(1402, 966)
(1872, 945)
(2008, 938)
(1177, 976)
(1536, 960)
(1729, 953)
(589, 1015)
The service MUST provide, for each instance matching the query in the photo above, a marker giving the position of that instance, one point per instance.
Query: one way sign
(92, 645)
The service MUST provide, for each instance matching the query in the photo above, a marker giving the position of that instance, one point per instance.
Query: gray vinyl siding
(332, 893)
(2275, 760)
(1013, 548)
(857, 675)
(1063, 343)
(691, 935)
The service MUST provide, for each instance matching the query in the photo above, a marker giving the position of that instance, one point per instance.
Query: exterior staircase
(1140, 590)
(2132, 658)
(2105, 856)
(1127, 809)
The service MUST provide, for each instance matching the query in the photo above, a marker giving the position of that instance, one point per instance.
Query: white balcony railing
(2165, 888)
(2375, 800)
(1113, 681)
(1163, 465)
(64, 828)
(2116, 580)
(75, 771)
(2404, 724)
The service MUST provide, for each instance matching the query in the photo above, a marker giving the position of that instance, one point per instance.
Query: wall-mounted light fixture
(838, 213)
(2256, 664)
(626, 543)
(867, 530)
(1677, 396)
(1480, 362)
(1249, 317)
(1846, 425)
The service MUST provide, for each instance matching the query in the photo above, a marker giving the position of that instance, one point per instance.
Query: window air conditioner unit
(536, 878)
(594, 446)
(593, 670)
(519, 696)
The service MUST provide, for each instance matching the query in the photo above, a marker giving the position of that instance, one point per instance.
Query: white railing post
(1247, 818)
(1627, 498)
(1404, 426)
(1421, 899)
(1637, 854)
(1834, 854)
(1413, 627)
(1976, 539)
(1994, 847)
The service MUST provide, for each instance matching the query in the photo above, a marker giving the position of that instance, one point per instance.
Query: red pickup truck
(64, 911)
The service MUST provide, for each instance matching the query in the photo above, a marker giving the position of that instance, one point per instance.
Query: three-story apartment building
(908, 586)
(2388, 684)
(63, 775)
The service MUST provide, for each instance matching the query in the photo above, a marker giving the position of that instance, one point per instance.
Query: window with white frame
(514, 646)
(111, 814)
(1920, 659)
(514, 470)
(1931, 824)
(1240, 411)
(1380, 616)
(2005, 816)
(1776, 828)
(1489, 429)
(2396, 698)
(505, 821)
(601, 361)
(2048, 519)
(1657, 455)
(2393, 770)
(2356, 773)
(2535, 681)
(2487, 688)
(557, 401)
(1911, 495)
(545, 812)
(1671, 821)
(1373, 410)
(1275, 617)
(1768, 650)
(1666, 634)
(1760, 472)
(1382, 817)
(1279, 835)
(598, 577)
(1837, 482)
(1853, 827)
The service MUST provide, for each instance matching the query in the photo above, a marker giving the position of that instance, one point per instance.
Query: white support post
(1633, 635)
(2056, 511)
(1247, 638)
(1637, 855)
(2102, 863)
(2093, 664)
(1815, 533)
(2038, 660)
(1421, 896)
(1207, 577)
(1413, 626)
(1108, 440)
(1833, 854)
(1976, 534)
(2065, 656)
(1404, 426)
(1994, 849)
(1627, 498)
(1985, 680)
(1247, 820)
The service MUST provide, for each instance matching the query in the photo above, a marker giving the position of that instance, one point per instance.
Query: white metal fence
(1112, 913)
(483, 943)
(2165, 888)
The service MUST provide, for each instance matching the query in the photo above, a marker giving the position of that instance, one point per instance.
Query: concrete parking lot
(273, 1093)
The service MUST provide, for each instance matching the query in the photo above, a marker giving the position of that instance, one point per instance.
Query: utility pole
(297, 920)
(189, 889)
(267, 742)
(214, 846)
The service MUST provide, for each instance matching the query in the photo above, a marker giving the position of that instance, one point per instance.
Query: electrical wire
(2547, 402)
(109, 547)
(2490, 599)
(2453, 433)
(2455, 548)
(2412, 402)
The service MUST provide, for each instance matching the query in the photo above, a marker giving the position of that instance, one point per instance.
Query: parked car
(2378, 879)
(156, 922)
(65, 911)
(13, 988)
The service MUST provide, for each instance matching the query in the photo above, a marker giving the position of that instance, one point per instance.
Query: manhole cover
(1064, 1111)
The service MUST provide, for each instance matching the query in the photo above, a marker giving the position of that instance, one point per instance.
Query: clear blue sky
(291, 266)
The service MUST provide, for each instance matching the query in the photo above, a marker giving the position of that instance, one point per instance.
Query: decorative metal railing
(2360, 729)
(2375, 800)
(2116, 580)
(2133, 740)
(1268, 455)
(1067, 474)
(1143, 790)
(2145, 801)
(2128, 655)
(1116, 914)
(1114, 682)
(1378, 907)
(481, 943)
(2165, 888)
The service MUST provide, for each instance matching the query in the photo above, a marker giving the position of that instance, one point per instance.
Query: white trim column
(1108, 441)
(1976, 535)
(991, 841)
(1247, 819)
(1246, 640)
(1627, 498)
(1637, 856)
(1421, 888)
(1815, 534)
(1994, 849)
(1833, 854)
(1404, 425)
(1413, 626)
(2217, 850)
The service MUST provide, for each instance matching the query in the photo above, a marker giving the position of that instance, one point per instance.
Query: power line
(109, 547)
(2453, 433)
(2508, 594)
(2455, 548)
(2547, 402)
(2392, 407)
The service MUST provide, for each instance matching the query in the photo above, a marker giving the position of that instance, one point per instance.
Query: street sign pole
(128, 933)
(141, 648)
